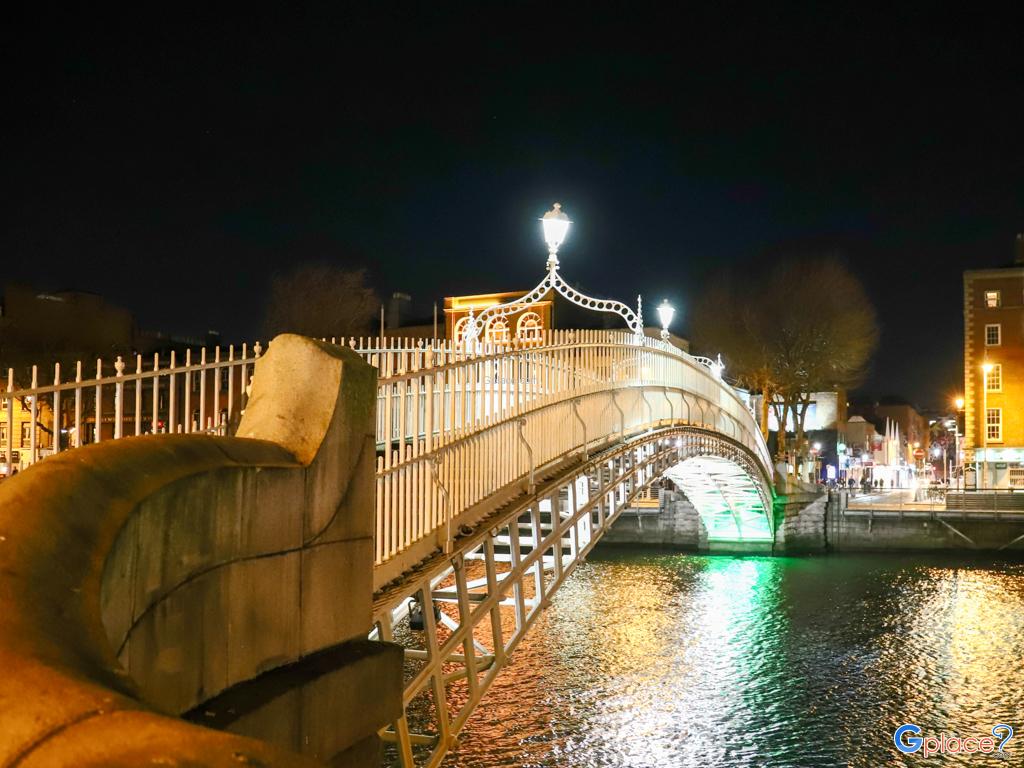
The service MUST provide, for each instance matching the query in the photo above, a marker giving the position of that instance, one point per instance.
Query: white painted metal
(456, 429)
(495, 581)
(117, 401)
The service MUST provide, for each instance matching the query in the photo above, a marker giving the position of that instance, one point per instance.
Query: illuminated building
(994, 401)
(21, 444)
(525, 326)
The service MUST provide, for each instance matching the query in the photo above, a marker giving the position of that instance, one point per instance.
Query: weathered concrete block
(272, 521)
(336, 698)
(117, 601)
(329, 616)
(264, 602)
(367, 752)
(277, 720)
(185, 529)
(178, 649)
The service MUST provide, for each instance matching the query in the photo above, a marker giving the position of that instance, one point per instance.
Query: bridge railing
(454, 424)
(454, 428)
(203, 392)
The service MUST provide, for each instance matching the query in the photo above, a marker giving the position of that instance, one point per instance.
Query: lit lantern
(556, 227)
(665, 313)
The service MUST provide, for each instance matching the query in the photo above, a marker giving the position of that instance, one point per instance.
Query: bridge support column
(676, 524)
(801, 516)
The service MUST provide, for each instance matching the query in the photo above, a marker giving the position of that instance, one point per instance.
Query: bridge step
(525, 541)
(549, 562)
(451, 595)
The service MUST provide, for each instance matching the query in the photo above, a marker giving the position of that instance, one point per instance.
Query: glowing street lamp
(556, 227)
(665, 313)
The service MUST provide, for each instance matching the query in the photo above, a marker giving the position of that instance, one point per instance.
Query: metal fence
(930, 499)
(158, 394)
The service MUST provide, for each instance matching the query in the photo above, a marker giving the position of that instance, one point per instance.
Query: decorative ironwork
(553, 281)
(716, 366)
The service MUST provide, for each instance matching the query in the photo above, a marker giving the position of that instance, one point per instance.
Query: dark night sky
(172, 163)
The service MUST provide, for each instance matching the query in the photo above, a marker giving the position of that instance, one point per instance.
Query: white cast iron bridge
(498, 471)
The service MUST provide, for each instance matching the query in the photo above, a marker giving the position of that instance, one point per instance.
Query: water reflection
(675, 660)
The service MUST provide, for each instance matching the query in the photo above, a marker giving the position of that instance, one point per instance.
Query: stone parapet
(144, 576)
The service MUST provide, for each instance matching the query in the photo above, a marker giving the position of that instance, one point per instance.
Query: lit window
(993, 299)
(994, 380)
(994, 424)
(993, 335)
(528, 329)
(497, 331)
(26, 434)
(459, 331)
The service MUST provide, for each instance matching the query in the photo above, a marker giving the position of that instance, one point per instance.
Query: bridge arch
(498, 576)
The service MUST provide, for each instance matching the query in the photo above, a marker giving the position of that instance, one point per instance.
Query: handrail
(480, 410)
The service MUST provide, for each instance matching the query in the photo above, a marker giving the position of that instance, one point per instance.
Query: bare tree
(805, 326)
(730, 321)
(321, 300)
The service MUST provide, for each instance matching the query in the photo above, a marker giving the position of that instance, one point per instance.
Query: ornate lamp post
(556, 228)
(665, 313)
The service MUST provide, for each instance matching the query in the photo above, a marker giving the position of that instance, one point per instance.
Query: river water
(657, 659)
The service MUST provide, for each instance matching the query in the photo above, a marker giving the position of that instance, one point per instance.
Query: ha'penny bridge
(540, 451)
(332, 544)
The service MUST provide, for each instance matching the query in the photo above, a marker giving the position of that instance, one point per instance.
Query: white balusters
(33, 417)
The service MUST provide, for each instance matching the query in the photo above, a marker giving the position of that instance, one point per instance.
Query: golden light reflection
(674, 660)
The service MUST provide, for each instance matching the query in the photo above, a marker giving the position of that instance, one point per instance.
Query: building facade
(823, 429)
(18, 443)
(524, 326)
(994, 374)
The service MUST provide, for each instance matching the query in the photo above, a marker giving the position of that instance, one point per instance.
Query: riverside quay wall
(808, 520)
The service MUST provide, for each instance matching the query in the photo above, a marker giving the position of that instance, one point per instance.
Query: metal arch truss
(732, 508)
(553, 280)
(461, 614)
